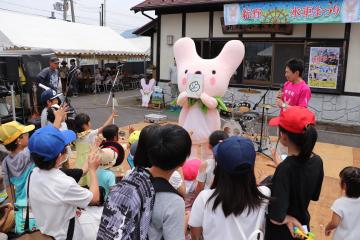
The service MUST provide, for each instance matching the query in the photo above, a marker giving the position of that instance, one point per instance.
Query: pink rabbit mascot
(202, 83)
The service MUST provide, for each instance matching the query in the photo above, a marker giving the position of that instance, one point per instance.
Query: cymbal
(266, 106)
(249, 91)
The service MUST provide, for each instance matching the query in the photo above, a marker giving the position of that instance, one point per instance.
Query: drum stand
(260, 147)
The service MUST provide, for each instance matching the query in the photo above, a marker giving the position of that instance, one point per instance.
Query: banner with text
(293, 12)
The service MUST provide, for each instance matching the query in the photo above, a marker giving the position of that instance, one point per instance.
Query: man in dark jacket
(49, 76)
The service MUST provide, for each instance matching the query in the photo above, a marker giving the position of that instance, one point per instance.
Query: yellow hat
(134, 136)
(10, 131)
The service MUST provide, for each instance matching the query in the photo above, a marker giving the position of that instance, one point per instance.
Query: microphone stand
(112, 94)
(260, 147)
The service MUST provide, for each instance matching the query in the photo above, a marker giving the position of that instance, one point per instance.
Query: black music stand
(260, 147)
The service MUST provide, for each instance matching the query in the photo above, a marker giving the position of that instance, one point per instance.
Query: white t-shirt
(349, 211)
(215, 225)
(176, 180)
(44, 121)
(209, 173)
(54, 198)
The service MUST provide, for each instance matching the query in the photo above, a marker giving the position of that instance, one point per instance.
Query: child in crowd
(298, 179)
(111, 155)
(205, 176)
(54, 197)
(168, 153)
(48, 98)
(141, 159)
(133, 140)
(128, 209)
(86, 137)
(234, 207)
(51, 117)
(16, 167)
(346, 210)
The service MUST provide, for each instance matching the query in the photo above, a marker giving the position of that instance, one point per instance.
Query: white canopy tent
(64, 38)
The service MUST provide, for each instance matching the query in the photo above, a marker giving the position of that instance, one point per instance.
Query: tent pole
(13, 101)
(94, 75)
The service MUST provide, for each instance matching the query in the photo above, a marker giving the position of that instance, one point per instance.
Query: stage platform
(335, 158)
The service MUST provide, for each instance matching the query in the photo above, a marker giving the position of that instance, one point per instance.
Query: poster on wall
(323, 67)
(293, 12)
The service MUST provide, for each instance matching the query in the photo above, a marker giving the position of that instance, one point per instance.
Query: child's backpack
(128, 208)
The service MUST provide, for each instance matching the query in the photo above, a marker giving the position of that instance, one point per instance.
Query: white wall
(155, 48)
(217, 29)
(171, 24)
(352, 83)
(328, 30)
(197, 25)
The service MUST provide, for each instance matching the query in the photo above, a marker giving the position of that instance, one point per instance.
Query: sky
(118, 14)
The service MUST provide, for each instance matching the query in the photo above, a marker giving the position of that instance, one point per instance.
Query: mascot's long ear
(232, 54)
(185, 51)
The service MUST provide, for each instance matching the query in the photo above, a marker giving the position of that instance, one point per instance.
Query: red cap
(294, 119)
(190, 169)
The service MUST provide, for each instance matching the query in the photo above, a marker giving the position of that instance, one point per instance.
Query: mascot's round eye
(213, 72)
(186, 71)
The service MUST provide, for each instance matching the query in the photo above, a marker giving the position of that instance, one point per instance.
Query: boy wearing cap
(17, 165)
(48, 98)
(54, 197)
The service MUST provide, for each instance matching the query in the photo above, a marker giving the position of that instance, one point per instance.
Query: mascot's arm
(208, 101)
(182, 99)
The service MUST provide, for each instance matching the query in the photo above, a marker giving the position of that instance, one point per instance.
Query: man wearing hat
(49, 76)
(48, 98)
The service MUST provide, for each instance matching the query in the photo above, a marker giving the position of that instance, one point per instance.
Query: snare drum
(249, 116)
(244, 107)
(230, 107)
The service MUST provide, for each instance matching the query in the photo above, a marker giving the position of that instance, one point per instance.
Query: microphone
(43, 87)
(280, 89)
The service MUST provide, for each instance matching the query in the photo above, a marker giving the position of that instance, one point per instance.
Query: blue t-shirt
(106, 179)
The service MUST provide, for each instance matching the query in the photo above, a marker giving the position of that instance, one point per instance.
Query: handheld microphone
(43, 87)
(280, 90)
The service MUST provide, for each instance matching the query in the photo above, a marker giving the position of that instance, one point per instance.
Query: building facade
(335, 82)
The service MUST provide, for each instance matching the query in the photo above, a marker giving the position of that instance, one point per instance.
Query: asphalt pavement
(130, 111)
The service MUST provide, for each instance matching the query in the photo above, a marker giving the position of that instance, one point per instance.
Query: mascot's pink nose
(198, 72)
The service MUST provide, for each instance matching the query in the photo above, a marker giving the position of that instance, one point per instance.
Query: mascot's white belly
(199, 124)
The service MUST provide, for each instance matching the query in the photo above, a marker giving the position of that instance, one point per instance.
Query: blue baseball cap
(234, 154)
(49, 94)
(49, 142)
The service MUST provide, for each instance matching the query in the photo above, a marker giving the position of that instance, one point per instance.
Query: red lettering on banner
(307, 11)
(295, 12)
(257, 13)
(318, 11)
(246, 14)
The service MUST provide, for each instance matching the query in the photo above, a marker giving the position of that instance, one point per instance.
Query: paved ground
(130, 112)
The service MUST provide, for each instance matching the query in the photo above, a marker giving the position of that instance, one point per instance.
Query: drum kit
(243, 120)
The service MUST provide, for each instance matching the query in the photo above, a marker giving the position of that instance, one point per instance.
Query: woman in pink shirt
(295, 91)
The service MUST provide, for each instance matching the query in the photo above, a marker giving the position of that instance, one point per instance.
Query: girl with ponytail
(298, 179)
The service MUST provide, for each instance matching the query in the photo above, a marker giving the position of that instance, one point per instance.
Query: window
(283, 52)
(257, 63)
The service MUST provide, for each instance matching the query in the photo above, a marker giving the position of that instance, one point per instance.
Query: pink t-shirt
(296, 94)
